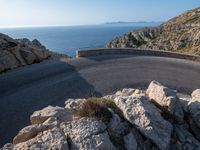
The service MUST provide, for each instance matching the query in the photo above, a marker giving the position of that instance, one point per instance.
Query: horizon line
(44, 26)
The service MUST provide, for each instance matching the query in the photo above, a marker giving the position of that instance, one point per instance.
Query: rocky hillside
(180, 34)
(131, 119)
(20, 52)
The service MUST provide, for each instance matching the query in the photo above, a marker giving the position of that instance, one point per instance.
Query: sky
(20, 13)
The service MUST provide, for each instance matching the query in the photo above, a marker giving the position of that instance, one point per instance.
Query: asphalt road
(51, 82)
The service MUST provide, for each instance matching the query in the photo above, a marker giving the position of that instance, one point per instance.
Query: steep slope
(180, 34)
(19, 52)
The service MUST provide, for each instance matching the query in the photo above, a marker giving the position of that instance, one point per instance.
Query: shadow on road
(28, 89)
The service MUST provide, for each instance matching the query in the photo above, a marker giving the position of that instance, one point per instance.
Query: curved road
(51, 82)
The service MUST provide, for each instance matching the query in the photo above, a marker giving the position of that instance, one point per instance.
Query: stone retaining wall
(132, 51)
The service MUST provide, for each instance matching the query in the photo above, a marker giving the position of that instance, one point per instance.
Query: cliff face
(180, 34)
(20, 52)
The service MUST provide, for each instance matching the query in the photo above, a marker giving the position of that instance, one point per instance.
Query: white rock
(138, 111)
(59, 113)
(125, 92)
(73, 104)
(52, 139)
(166, 98)
(196, 94)
(87, 134)
(194, 107)
(31, 131)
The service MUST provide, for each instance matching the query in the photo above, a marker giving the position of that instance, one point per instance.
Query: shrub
(94, 107)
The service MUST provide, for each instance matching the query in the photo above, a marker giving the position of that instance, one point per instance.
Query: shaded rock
(87, 134)
(50, 139)
(7, 61)
(20, 52)
(166, 99)
(138, 111)
(37, 43)
(60, 113)
(184, 140)
(117, 129)
(117, 125)
(130, 142)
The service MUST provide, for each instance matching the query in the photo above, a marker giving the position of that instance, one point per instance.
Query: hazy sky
(80, 12)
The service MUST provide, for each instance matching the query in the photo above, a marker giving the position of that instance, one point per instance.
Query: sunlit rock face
(180, 34)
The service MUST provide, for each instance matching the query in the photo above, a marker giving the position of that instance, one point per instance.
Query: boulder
(194, 106)
(145, 116)
(7, 61)
(166, 99)
(87, 134)
(53, 139)
(31, 131)
(194, 109)
(60, 113)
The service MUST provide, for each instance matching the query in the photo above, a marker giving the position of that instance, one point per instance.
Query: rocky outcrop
(20, 52)
(141, 113)
(166, 99)
(139, 120)
(180, 34)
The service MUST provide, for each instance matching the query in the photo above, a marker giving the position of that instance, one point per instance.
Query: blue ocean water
(67, 40)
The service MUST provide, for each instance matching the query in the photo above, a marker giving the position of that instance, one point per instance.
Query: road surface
(51, 82)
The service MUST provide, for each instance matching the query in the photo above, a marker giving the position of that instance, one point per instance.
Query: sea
(66, 40)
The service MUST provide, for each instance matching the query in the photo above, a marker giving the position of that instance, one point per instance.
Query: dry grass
(94, 107)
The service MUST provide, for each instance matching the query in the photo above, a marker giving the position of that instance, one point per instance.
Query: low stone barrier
(132, 51)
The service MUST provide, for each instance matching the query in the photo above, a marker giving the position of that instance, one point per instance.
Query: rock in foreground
(127, 120)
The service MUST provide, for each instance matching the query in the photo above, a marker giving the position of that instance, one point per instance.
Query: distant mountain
(140, 23)
(180, 34)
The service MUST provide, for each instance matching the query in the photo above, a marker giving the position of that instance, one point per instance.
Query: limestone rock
(20, 52)
(73, 104)
(60, 113)
(87, 134)
(125, 92)
(7, 61)
(194, 109)
(52, 139)
(31, 131)
(165, 98)
(179, 34)
(138, 111)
